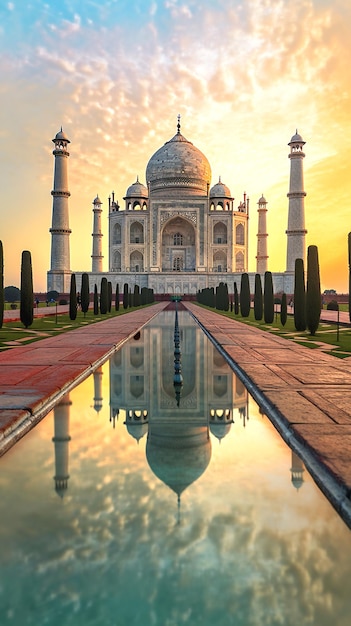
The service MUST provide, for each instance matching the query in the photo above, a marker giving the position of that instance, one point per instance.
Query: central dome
(178, 166)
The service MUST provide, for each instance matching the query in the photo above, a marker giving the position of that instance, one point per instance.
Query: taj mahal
(176, 234)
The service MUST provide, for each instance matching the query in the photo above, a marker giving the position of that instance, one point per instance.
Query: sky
(243, 75)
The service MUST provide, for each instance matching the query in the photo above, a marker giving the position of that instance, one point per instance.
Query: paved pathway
(305, 392)
(33, 377)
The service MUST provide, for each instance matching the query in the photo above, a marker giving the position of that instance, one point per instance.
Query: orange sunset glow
(243, 75)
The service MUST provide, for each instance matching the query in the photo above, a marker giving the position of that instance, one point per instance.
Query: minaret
(262, 257)
(296, 231)
(59, 276)
(98, 399)
(97, 237)
(61, 440)
(297, 470)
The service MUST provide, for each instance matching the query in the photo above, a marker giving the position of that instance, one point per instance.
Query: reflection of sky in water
(250, 549)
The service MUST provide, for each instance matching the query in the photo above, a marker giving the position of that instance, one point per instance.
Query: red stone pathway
(305, 392)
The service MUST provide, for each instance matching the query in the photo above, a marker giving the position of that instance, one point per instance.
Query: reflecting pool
(140, 502)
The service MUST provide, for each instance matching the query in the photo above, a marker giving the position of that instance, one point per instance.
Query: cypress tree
(283, 310)
(236, 299)
(84, 294)
(221, 297)
(136, 295)
(125, 296)
(109, 296)
(313, 290)
(225, 297)
(73, 298)
(268, 298)
(104, 296)
(299, 296)
(1, 285)
(26, 306)
(245, 303)
(96, 300)
(258, 300)
(117, 298)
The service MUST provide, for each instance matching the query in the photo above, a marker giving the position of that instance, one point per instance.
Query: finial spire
(178, 125)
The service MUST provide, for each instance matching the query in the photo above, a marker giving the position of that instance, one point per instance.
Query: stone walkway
(306, 393)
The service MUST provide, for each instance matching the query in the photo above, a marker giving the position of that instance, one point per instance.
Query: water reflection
(175, 414)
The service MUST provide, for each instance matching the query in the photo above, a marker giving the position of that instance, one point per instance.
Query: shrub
(258, 301)
(84, 294)
(63, 301)
(104, 296)
(26, 307)
(96, 300)
(73, 298)
(332, 305)
(313, 290)
(299, 297)
(283, 310)
(236, 299)
(245, 302)
(12, 294)
(125, 296)
(268, 298)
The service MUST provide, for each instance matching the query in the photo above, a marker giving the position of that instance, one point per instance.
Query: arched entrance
(178, 246)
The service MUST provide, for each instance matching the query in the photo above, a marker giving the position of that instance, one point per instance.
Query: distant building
(176, 234)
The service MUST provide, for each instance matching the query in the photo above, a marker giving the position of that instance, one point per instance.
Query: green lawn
(326, 333)
(14, 333)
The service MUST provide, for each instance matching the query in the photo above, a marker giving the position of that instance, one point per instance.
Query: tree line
(102, 301)
(306, 299)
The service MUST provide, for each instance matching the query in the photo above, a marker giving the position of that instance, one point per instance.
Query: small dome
(97, 200)
(296, 138)
(61, 136)
(178, 164)
(220, 429)
(262, 200)
(137, 190)
(220, 190)
(137, 429)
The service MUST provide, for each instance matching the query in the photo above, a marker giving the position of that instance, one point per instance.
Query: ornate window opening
(116, 262)
(220, 262)
(240, 235)
(136, 233)
(220, 233)
(177, 239)
(239, 262)
(117, 234)
(177, 264)
(136, 262)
